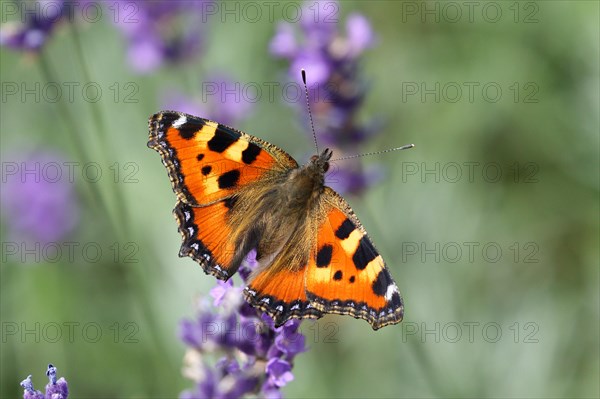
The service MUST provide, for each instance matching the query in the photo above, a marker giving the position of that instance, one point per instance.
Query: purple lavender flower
(38, 203)
(55, 389)
(331, 60)
(252, 355)
(221, 100)
(40, 19)
(224, 380)
(161, 32)
(28, 391)
(279, 371)
(289, 341)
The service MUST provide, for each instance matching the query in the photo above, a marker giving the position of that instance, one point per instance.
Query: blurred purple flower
(222, 100)
(161, 31)
(359, 33)
(283, 43)
(350, 176)
(218, 291)
(270, 391)
(252, 355)
(39, 18)
(55, 389)
(331, 61)
(319, 23)
(289, 341)
(37, 201)
(279, 372)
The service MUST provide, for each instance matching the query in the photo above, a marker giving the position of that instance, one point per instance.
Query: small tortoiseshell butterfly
(237, 192)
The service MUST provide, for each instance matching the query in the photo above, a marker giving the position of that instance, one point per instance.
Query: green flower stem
(91, 190)
(118, 198)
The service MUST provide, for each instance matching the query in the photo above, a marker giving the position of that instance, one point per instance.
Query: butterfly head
(321, 162)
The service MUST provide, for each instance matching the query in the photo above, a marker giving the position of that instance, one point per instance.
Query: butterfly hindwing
(208, 161)
(341, 272)
(277, 286)
(282, 295)
(206, 237)
(346, 274)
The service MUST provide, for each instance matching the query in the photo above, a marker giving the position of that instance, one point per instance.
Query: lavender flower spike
(51, 373)
(27, 384)
(162, 32)
(29, 392)
(36, 27)
(55, 389)
(37, 207)
(330, 54)
(249, 355)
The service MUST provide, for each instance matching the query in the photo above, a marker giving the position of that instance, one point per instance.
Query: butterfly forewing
(208, 164)
(208, 161)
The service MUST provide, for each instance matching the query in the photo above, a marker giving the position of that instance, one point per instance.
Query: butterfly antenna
(404, 147)
(312, 125)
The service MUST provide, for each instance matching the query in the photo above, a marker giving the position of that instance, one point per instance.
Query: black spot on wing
(396, 300)
(345, 230)
(352, 279)
(168, 118)
(249, 154)
(382, 282)
(229, 179)
(324, 255)
(338, 275)
(223, 138)
(365, 253)
(189, 129)
(200, 157)
(206, 170)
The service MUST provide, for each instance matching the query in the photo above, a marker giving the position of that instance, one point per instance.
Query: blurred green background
(523, 322)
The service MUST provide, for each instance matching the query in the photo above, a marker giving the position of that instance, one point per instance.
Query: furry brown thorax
(305, 184)
(281, 207)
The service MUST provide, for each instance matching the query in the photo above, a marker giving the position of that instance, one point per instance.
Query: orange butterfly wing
(206, 234)
(277, 286)
(346, 274)
(281, 295)
(208, 161)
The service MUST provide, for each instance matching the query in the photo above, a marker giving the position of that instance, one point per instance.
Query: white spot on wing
(391, 289)
(180, 121)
